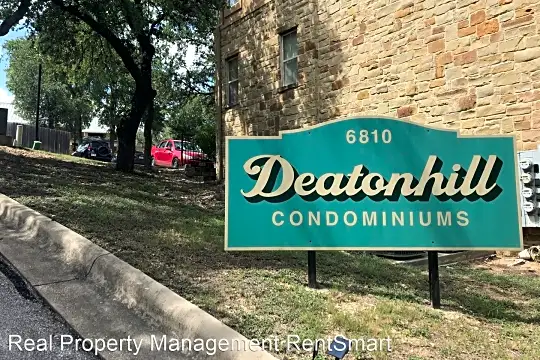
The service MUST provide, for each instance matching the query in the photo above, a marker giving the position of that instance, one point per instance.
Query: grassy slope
(173, 231)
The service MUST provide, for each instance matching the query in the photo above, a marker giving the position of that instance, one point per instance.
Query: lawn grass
(172, 230)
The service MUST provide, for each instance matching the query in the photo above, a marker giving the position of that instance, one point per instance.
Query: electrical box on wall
(529, 187)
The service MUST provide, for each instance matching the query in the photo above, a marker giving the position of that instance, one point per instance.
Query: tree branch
(14, 18)
(192, 88)
(128, 12)
(155, 23)
(133, 14)
(117, 44)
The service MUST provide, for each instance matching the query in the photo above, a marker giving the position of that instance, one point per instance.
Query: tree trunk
(143, 97)
(146, 71)
(112, 121)
(148, 122)
(127, 129)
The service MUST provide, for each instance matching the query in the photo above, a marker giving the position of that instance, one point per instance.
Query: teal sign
(372, 183)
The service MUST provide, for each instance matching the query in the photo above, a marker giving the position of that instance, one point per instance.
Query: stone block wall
(469, 65)
(462, 64)
(263, 108)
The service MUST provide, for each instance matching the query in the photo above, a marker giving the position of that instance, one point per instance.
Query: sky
(5, 95)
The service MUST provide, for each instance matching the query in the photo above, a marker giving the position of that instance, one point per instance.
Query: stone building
(471, 65)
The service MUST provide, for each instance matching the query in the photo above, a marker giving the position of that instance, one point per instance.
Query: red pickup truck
(176, 153)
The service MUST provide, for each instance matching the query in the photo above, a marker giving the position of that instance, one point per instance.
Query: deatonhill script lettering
(478, 181)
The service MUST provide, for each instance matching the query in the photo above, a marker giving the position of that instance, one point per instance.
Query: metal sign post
(434, 288)
(312, 269)
(38, 100)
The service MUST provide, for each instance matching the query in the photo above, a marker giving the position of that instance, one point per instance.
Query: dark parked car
(138, 159)
(97, 149)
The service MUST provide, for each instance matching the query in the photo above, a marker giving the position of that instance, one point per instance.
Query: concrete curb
(124, 282)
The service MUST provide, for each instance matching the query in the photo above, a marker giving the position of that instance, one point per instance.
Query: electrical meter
(529, 187)
(525, 164)
(527, 193)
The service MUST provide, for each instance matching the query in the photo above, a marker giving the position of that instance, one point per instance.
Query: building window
(232, 3)
(232, 81)
(289, 58)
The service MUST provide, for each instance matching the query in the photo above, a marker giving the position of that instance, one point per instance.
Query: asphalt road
(27, 320)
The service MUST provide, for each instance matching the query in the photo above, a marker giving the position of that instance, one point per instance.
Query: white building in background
(95, 129)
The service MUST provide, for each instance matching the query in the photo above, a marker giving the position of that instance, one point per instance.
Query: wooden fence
(52, 140)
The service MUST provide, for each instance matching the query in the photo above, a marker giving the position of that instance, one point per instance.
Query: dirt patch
(509, 265)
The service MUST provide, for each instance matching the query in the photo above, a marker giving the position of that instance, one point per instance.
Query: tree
(186, 98)
(91, 61)
(63, 104)
(194, 120)
(132, 28)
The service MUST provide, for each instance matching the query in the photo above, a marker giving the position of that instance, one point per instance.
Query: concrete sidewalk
(90, 311)
(104, 298)
(25, 317)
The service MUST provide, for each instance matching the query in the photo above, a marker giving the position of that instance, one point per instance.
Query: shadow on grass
(173, 231)
(482, 293)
